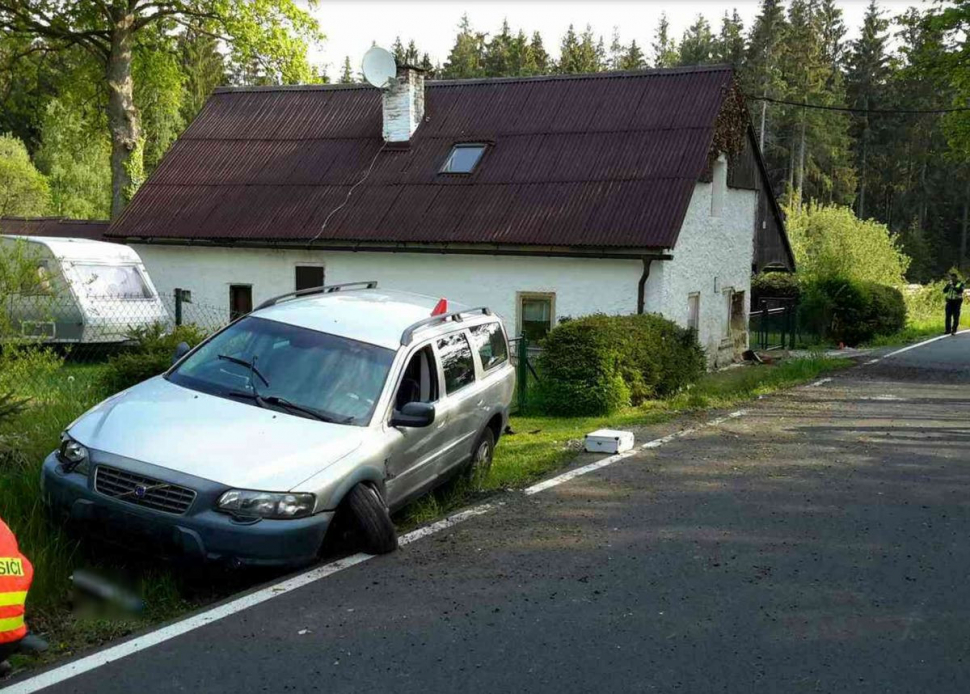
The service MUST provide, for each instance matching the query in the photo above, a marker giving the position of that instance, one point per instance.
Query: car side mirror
(181, 349)
(413, 414)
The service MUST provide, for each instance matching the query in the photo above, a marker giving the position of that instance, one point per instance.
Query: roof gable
(593, 161)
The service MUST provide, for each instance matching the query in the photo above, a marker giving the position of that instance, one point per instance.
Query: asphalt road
(818, 543)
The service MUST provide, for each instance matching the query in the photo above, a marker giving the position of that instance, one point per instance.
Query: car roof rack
(455, 316)
(324, 289)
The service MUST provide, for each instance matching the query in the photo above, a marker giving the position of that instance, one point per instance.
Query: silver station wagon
(344, 400)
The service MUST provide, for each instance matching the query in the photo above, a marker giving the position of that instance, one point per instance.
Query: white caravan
(89, 292)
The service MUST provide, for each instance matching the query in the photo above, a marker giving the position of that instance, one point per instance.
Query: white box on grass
(609, 441)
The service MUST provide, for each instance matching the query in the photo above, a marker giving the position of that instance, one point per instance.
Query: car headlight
(73, 455)
(248, 504)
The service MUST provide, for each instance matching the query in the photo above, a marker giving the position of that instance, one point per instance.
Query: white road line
(605, 462)
(819, 382)
(921, 344)
(153, 638)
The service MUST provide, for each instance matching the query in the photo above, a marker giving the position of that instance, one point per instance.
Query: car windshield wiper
(283, 402)
(251, 365)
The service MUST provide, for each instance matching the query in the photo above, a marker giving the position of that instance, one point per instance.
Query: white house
(541, 197)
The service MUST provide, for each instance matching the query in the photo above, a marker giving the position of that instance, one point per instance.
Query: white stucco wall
(581, 286)
(713, 256)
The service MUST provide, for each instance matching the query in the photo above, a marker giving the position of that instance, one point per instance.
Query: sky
(351, 26)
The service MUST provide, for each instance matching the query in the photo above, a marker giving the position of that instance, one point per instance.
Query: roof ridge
(486, 81)
(67, 220)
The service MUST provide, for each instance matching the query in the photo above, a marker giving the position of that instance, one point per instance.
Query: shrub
(580, 371)
(851, 312)
(830, 241)
(774, 285)
(597, 364)
(149, 355)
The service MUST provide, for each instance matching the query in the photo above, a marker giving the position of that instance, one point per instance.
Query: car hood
(225, 441)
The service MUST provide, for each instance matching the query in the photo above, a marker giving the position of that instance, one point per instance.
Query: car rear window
(456, 361)
(489, 340)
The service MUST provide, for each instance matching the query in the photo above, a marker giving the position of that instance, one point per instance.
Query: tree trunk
(801, 161)
(963, 228)
(764, 113)
(865, 155)
(123, 119)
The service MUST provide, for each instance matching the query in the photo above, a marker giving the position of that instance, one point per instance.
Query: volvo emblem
(140, 491)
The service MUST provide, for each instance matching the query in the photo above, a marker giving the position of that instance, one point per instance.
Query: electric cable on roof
(323, 227)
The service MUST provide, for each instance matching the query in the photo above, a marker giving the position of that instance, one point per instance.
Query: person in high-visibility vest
(16, 574)
(953, 292)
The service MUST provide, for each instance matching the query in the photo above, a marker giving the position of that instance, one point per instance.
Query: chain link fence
(48, 343)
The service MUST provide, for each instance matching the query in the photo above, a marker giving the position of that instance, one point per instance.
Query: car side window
(456, 362)
(419, 383)
(489, 340)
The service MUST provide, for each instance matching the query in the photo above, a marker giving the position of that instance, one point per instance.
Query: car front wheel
(372, 519)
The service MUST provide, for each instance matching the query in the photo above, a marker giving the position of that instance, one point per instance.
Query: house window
(694, 311)
(309, 277)
(718, 186)
(728, 307)
(489, 340)
(240, 300)
(457, 362)
(463, 158)
(738, 314)
(536, 315)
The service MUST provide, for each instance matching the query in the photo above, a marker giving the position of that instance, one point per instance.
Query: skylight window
(463, 158)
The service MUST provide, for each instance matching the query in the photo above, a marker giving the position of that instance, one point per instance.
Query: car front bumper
(200, 533)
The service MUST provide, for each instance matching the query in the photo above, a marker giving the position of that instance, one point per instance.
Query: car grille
(142, 491)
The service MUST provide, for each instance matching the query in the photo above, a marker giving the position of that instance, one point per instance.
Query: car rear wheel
(481, 461)
(373, 520)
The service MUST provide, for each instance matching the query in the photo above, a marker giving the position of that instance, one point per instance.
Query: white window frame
(521, 296)
(696, 326)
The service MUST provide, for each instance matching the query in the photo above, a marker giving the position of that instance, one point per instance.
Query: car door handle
(481, 403)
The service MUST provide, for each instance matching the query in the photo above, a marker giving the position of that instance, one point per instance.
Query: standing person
(16, 574)
(953, 292)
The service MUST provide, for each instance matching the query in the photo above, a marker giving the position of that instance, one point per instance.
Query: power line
(848, 109)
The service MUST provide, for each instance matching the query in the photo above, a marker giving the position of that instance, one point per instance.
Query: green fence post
(178, 306)
(522, 377)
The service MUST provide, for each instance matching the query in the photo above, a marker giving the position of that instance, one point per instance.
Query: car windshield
(308, 373)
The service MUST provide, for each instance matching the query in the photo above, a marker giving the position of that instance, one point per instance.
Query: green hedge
(149, 355)
(851, 312)
(598, 364)
(774, 285)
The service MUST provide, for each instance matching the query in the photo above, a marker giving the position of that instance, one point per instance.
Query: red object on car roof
(440, 308)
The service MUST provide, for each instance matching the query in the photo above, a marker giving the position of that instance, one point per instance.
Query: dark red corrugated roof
(606, 160)
(54, 226)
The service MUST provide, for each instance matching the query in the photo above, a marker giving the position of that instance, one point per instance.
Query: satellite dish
(378, 67)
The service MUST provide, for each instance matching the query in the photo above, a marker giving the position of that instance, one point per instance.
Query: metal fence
(773, 324)
(524, 356)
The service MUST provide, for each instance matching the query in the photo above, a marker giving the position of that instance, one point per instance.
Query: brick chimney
(403, 99)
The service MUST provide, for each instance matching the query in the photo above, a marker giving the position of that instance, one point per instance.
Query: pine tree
(498, 58)
(762, 74)
(633, 59)
(868, 71)
(347, 73)
(729, 46)
(697, 45)
(664, 50)
(581, 54)
(539, 62)
(617, 51)
(467, 56)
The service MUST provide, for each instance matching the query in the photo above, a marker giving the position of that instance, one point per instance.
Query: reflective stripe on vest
(13, 598)
(11, 624)
(954, 291)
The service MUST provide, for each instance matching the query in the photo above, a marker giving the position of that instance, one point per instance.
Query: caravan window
(113, 282)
